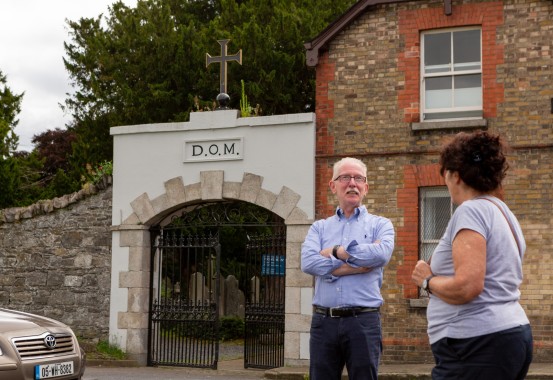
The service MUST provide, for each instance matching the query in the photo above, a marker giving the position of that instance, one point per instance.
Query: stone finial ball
(223, 100)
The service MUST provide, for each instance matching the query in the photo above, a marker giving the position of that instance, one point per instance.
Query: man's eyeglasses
(346, 178)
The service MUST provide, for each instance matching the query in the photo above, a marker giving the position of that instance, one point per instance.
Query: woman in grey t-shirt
(476, 325)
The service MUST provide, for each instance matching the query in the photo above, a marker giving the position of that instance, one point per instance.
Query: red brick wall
(414, 177)
(411, 22)
(324, 138)
(368, 94)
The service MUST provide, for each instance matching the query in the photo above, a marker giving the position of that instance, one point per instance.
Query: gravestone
(234, 298)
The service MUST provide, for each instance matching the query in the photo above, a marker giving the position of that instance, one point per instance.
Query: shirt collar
(356, 214)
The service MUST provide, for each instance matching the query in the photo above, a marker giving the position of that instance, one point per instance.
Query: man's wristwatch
(335, 251)
(426, 284)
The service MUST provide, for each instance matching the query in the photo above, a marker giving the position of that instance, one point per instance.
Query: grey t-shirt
(497, 308)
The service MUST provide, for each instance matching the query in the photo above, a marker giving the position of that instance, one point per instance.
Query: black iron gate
(183, 308)
(264, 322)
(190, 257)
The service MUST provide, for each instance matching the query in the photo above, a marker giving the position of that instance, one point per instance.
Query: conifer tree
(10, 106)
(147, 64)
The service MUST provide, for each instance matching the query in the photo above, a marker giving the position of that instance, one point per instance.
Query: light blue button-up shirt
(357, 235)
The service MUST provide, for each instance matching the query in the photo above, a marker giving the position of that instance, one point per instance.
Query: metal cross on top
(223, 59)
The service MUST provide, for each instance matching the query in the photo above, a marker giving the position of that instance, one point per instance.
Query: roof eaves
(320, 42)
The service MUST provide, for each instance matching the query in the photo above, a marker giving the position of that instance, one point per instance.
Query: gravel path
(231, 350)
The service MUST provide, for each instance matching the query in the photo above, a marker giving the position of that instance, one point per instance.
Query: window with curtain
(451, 74)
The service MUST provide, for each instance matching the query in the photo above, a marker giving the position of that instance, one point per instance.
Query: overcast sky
(32, 33)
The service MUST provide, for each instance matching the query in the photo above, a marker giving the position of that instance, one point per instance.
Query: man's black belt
(338, 312)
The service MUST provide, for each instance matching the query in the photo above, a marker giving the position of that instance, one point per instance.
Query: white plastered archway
(131, 282)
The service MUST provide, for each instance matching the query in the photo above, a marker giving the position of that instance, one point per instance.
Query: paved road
(166, 373)
(233, 371)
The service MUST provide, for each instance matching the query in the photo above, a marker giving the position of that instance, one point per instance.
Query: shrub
(232, 328)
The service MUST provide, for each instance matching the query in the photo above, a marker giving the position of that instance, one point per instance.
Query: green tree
(272, 35)
(10, 106)
(147, 64)
(30, 180)
(54, 149)
(9, 182)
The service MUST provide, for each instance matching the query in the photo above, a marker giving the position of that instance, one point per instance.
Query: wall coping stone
(16, 214)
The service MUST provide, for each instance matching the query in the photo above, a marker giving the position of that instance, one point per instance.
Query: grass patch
(103, 350)
(110, 350)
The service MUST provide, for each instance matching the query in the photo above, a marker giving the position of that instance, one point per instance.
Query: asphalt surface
(166, 373)
(231, 367)
(233, 370)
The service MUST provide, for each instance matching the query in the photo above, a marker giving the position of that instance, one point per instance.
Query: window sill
(453, 124)
(418, 302)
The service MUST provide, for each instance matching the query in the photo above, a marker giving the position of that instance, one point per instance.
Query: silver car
(34, 347)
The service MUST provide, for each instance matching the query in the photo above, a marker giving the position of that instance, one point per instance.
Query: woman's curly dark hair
(478, 157)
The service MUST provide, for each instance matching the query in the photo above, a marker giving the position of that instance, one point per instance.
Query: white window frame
(428, 244)
(453, 112)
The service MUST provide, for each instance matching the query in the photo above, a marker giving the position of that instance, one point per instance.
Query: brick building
(393, 79)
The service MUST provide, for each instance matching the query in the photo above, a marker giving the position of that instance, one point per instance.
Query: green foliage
(97, 173)
(50, 165)
(232, 328)
(54, 147)
(10, 106)
(110, 351)
(200, 331)
(41, 174)
(146, 64)
(9, 165)
(9, 182)
(93, 144)
(30, 182)
(61, 184)
(245, 107)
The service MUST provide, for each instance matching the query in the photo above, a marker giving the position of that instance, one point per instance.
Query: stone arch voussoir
(212, 187)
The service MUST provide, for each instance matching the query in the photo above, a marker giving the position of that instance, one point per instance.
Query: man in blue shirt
(347, 253)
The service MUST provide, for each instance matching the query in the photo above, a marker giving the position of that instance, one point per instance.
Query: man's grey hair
(338, 165)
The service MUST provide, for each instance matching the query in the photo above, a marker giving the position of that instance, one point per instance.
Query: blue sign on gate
(272, 265)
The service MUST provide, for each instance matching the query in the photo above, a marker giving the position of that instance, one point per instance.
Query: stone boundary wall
(55, 259)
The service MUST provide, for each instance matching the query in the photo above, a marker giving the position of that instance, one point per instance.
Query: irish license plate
(48, 371)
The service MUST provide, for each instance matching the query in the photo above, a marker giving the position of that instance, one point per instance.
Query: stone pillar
(137, 282)
(299, 293)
